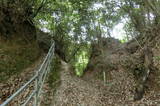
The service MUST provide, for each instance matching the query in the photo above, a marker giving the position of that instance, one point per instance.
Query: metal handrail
(38, 78)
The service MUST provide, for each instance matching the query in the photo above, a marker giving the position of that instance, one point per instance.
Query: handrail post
(36, 90)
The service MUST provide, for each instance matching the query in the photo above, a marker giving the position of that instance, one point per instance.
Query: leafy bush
(81, 62)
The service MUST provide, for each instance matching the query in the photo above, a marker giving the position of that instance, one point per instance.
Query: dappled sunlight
(118, 31)
(81, 61)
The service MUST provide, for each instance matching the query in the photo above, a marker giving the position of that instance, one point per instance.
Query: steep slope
(119, 88)
(11, 85)
(139, 60)
(16, 55)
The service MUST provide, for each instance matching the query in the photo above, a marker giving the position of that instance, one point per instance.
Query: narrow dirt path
(117, 91)
(74, 91)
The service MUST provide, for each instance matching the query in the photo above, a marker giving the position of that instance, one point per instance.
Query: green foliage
(156, 58)
(72, 17)
(124, 40)
(73, 23)
(81, 60)
(81, 63)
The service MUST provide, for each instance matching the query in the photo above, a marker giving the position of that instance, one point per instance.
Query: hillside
(91, 91)
(99, 53)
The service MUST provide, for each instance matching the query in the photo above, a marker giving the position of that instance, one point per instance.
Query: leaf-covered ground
(10, 86)
(89, 91)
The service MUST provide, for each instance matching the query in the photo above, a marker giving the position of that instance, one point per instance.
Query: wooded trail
(75, 91)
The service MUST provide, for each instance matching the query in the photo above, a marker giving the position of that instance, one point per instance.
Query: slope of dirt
(90, 91)
(15, 82)
(15, 56)
(142, 61)
(119, 89)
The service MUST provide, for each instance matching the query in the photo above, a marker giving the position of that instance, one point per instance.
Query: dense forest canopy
(83, 20)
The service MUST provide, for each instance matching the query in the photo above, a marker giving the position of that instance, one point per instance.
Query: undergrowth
(15, 56)
(54, 75)
(53, 81)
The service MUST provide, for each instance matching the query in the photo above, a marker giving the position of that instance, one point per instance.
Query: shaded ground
(10, 86)
(91, 91)
(15, 56)
(74, 91)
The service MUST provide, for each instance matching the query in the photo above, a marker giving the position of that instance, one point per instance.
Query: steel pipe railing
(38, 78)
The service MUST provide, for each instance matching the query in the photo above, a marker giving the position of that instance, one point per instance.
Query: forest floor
(89, 91)
(10, 86)
(83, 91)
